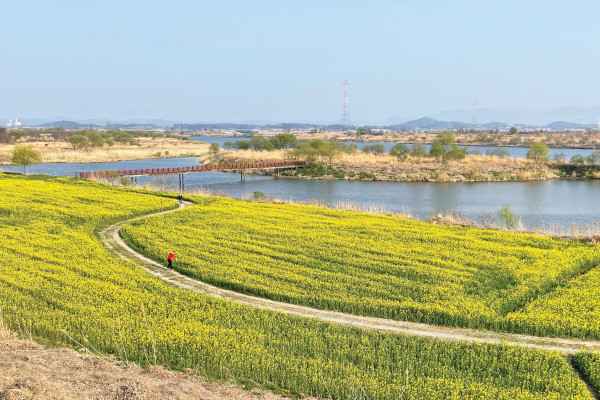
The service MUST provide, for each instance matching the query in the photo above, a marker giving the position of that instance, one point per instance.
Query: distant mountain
(429, 123)
(562, 125)
(518, 116)
(68, 125)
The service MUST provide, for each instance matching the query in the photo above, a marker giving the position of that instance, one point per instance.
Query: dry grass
(360, 158)
(558, 139)
(29, 371)
(63, 152)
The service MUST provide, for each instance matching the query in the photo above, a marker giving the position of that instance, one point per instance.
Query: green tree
(375, 148)
(513, 130)
(539, 152)
(122, 137)
(284, 141)
(577, 159)
(445, 148)
(214, 149)
(228, 145)
(242, 144)
(400, 151)
(507, 217)
(363, 131)
(95, 139)
(418, 150)
(257, 142)
(79, 141)
(351, 148)
(25, 156)
(268, 146)
(514, 140)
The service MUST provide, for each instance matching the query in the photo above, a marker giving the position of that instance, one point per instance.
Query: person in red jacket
(171, 258)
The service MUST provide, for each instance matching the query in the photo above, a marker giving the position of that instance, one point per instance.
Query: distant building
(16, 124)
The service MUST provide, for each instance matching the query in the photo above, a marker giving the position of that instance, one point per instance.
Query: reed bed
(63, 152)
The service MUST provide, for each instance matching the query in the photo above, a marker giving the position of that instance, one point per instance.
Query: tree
(214, 149)
(351, 148)
(268, 146)
(79, 141)
(514, 140)
(559, 157)
(507, 217)
(95, 139)
(400, 151)
(242, 144)
(418, 150)
(286, 128)
(122, 137)
(498, 152)
(513, 130)
(5, 137)
(284, 141)
(25, 156)
(228, 145)
(538, 152)
(593, 158)
(375, 148)
(445, 148)
(577, 159)
(257, 142)
(317, 149)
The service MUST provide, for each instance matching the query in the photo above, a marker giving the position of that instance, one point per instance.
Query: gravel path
(110, 237)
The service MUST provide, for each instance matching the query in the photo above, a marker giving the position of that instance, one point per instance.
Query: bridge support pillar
(242, 176)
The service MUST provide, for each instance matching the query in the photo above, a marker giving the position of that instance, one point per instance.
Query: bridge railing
(184, 170)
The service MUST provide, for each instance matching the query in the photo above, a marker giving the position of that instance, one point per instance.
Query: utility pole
(346, 106)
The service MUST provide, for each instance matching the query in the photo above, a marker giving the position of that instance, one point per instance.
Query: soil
(29, 371)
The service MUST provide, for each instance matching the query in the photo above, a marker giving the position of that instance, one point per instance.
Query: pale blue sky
(285, 60)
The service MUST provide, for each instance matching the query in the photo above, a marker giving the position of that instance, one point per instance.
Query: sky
(285, 61)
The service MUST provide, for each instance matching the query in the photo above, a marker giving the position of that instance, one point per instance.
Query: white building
(16, 124)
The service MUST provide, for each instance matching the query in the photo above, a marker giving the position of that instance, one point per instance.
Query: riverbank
(145, 148)
(384, 167)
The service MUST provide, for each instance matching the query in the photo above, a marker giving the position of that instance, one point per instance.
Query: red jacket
(171, 257)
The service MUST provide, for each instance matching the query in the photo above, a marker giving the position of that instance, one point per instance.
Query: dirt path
(110, 237)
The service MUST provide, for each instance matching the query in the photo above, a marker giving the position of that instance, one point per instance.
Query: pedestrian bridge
(181, 171)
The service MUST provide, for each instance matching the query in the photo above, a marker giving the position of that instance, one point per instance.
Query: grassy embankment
(58, 283)
(63, 152)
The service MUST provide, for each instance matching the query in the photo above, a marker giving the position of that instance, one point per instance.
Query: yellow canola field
(378, 265)
(589, 365)
(58, 283)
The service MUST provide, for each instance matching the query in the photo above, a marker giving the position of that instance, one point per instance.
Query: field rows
(383, 266)
(58, 282)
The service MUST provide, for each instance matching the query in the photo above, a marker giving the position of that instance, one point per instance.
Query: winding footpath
(111, 239)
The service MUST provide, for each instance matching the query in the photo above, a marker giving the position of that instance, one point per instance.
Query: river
(544, 203)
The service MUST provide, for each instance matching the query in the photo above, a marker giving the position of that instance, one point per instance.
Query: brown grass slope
(29, 371)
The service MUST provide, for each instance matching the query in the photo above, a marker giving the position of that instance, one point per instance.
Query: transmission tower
(346, 106)
(474, 122)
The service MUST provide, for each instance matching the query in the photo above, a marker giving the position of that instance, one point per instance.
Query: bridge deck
(189, 170)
